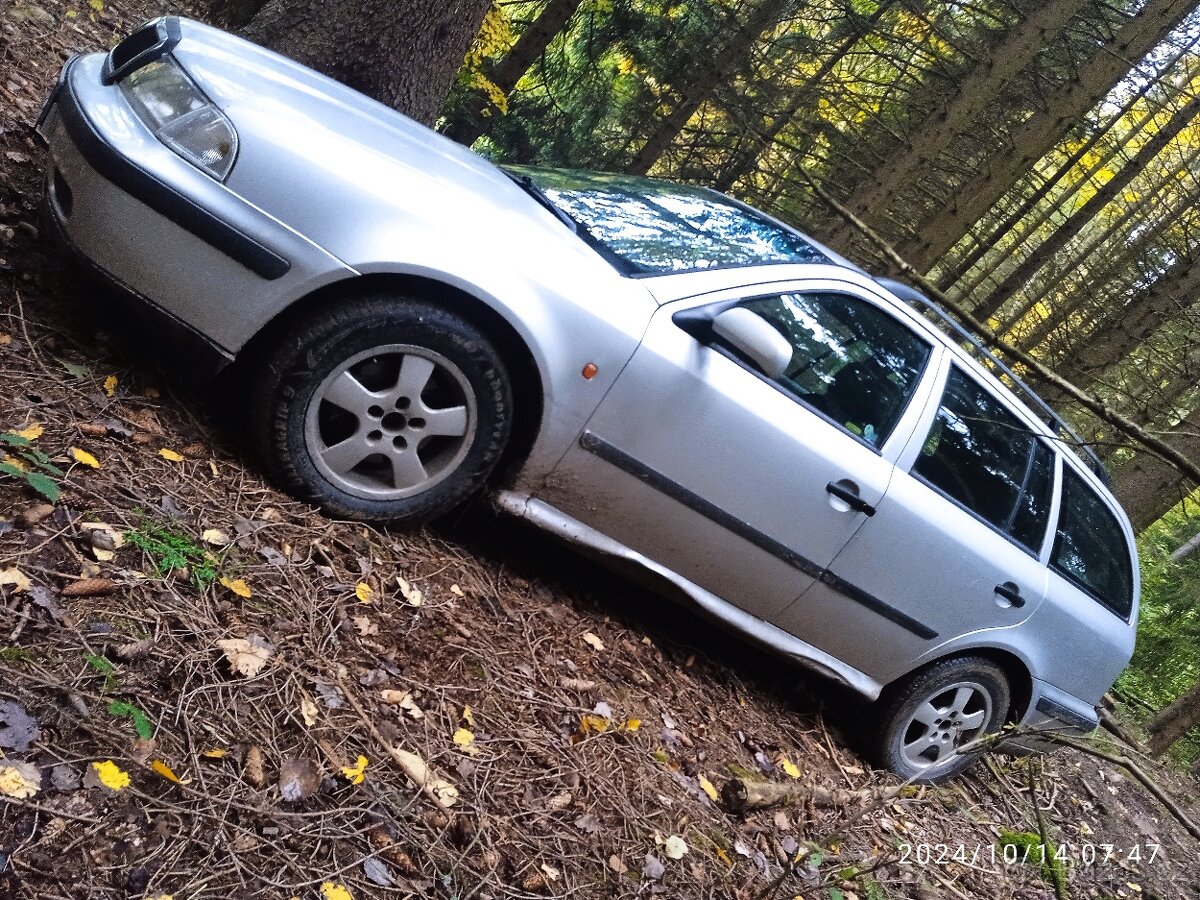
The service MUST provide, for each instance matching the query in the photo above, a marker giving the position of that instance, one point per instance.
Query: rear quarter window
(1090, 547)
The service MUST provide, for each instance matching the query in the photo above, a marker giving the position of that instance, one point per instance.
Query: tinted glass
(1090, 547)
(982, 456)
(650, 227)
(850, 360)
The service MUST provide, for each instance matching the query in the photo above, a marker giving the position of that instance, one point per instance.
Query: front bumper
(185, 243)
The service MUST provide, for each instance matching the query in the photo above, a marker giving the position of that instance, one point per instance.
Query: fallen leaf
(468, 716)
(170, 455)
(617, 865)
(246, 656)
(789, 768)
(214, 753)
(589, 724)
(331, 891)
(365, 626)
(20, 780)
(237, 585)
(707, 787)
(214, 536)
(15, 578)
(588, 823)
(675, 847)
(84, 458)
(593, 641)
(463, 738)
(377, 872)
(551, 872)
(363, 592)
(34, 515)
(165, 771)
(653, 869)
(412, 596)
(19, 729)
(404, 700)
(299, 779)
(456, 590)
(30, 432)
(105, 539)
(110, 385)
(108, 774)
(356, 773)
(631, 725)
(308, 711)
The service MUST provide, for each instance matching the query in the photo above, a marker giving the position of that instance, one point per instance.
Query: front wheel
(383, 409)
(926, 719)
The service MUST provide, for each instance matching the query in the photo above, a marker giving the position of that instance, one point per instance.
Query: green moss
(1036, 853)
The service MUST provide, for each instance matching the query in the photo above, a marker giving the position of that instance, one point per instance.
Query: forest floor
(581, 722)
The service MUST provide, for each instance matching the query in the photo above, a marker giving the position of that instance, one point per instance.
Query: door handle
(1011, 592)
(847, 491)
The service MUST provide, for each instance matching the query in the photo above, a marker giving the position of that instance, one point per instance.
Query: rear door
(958, 545)
(700, 462)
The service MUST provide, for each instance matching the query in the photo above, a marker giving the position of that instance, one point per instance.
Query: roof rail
(911, 295)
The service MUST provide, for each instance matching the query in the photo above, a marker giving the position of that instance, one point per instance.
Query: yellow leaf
(17, 579)
(463, 738)
(707, 787)
(214, 753)
(308, 711)
(30, 432)
(111, 775)
(589, 724)
(468, 716)
(214, 536)
(237, 585)
(363, 592)
(723, 856)
(84, 458)
(97, 5)
(170, 455)
(789, 768)
(593, 641)
(331, 891)
(17, 781)
(165, 771)
(356, 773)
(110, 385)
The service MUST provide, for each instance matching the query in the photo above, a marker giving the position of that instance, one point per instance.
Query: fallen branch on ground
(740, 795)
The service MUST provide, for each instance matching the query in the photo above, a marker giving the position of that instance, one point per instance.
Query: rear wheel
(926, 719)
(386, 409)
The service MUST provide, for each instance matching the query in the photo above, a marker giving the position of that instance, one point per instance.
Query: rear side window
(1090, 547)
(850, 360)
(980, 455)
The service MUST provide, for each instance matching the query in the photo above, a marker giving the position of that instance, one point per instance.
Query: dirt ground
(203, 683)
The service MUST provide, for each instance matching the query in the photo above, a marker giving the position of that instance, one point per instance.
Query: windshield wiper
(532, 189)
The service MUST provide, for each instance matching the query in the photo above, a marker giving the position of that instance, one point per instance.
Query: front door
(700, 462)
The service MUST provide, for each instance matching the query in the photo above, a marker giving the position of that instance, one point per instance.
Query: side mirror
(753, 336)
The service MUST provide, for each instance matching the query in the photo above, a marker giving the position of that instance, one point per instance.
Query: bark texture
(403, 54)
(1038, 135)
(1148, 486)
(1175, 721)
(984, 81)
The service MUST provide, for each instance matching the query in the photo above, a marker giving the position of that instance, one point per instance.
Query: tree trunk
(1034, 138)
(1017, 278)
(974, 92)
(1148, 486)
(471, 122)
(754, 143)
(1175, 721)
(700, 83)
(403, 54)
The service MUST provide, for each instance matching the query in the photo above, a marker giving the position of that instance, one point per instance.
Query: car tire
(925, 718)
(387, 409)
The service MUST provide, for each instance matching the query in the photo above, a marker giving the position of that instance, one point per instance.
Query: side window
(850, 361)
(1090, 547)
(980, 455)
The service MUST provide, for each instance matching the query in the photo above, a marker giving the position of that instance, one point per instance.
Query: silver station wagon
(654, 372)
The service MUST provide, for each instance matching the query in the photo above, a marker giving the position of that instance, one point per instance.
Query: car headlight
(180, 116)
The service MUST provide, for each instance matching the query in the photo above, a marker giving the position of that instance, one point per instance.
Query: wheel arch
(519, 360)
(1016, 672)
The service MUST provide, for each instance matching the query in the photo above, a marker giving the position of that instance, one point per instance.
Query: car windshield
(648, 227)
